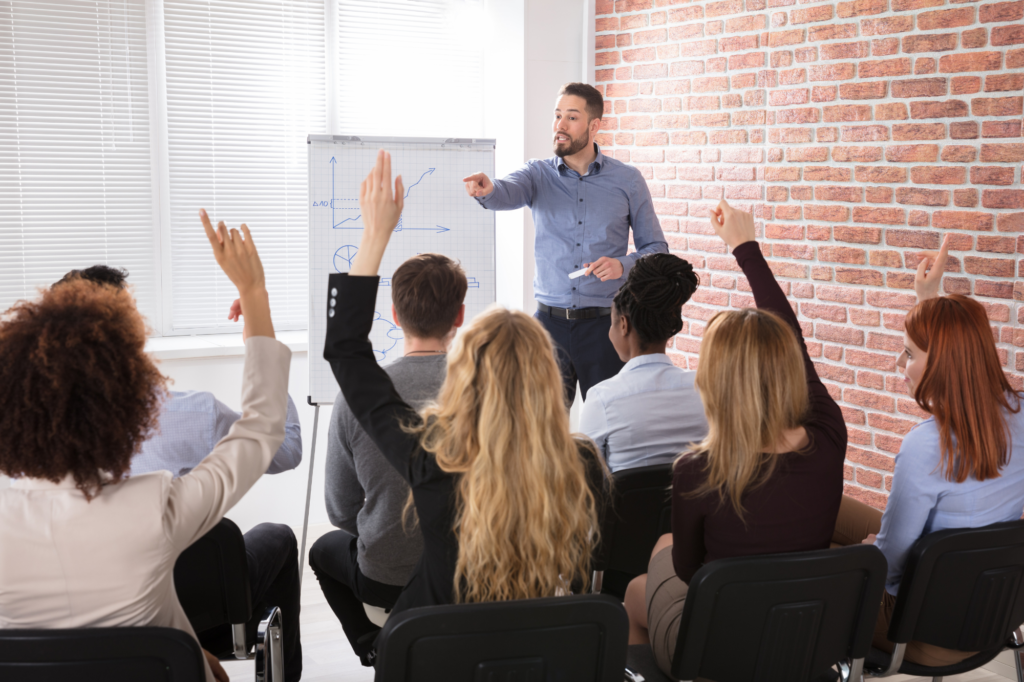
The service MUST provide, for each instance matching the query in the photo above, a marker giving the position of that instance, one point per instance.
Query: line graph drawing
(344, 255)
(384, 336)
(338, 225)
(429, 171)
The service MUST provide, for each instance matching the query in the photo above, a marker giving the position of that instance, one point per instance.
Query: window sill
(216, 345)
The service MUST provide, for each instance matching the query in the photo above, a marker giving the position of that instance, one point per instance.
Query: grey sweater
(364, 494)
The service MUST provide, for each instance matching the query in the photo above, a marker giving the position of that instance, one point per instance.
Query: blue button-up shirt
(578, 220)
(192, 422)
(646, 414)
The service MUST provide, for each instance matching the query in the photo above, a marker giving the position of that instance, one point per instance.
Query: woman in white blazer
(81, 545)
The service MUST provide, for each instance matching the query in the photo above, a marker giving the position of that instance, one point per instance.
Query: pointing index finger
(386, 176)
(208, 228)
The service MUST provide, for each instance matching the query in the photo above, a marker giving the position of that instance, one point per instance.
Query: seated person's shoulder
(922, 445)
(190, 401)
(689, 469)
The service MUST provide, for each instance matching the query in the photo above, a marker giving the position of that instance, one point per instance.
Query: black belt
(574, 313)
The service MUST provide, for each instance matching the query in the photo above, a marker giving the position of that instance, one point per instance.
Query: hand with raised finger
(478, 185)
(735, 227)
(605, 268)
(237, 256)
(928, 279)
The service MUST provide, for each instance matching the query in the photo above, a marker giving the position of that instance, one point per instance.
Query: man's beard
(574, 146)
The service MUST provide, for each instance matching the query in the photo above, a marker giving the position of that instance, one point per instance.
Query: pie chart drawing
(343, 258)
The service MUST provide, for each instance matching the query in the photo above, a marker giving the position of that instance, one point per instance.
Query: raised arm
(367, 388)
(198, 500)
(736, 228)
(513, 191)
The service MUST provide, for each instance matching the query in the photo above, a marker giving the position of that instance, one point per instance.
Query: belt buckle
(567, 314)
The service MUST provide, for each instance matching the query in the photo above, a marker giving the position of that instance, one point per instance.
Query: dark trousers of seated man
(584, 351)
(272, 556)
(334, 560)
(855, 522)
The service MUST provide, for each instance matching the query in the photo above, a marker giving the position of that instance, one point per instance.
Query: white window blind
(245, 86)
(75, 185)
(412, 68)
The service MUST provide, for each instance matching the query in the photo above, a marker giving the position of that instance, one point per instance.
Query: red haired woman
(961, 468)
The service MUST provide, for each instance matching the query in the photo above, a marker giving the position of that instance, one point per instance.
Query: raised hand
(478, 185)
(240, 261)
(929, 271)
(735, 227)
(381, 208)
(605, 268)
(236, 257)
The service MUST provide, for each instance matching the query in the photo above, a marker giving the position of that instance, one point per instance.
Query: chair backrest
(211, 578)
(581, 638)
(779, 617)
(961, 588)
(100, 655)
(640, 511)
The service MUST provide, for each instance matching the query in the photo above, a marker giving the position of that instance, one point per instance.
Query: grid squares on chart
(438, 217)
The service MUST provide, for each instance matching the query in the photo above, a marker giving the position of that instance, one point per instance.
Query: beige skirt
(666, 594)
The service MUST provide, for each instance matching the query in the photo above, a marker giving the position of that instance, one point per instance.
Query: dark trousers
(584, 351)
(273, 561)
(333, 559)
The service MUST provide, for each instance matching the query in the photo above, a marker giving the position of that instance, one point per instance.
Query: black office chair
(100, 655)
(580, 638)
(211, 578)
(639, 512)
(776, 618)
(961, 589)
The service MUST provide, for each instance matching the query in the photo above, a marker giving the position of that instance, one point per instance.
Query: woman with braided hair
(650, 411)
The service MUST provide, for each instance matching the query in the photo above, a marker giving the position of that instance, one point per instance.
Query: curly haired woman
(84, 546)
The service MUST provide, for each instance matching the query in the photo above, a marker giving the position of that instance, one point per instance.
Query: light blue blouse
(922, 501)
(646, 414)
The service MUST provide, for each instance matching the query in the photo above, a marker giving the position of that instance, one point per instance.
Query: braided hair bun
(653, 296)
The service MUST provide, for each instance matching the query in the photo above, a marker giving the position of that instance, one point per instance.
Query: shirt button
(574, 289)
(330, 313)
(577, 244)
(334, 292)
(581, 179)
(581, 200)
(580, 222)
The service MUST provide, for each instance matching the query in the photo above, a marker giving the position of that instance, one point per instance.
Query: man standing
(584, 204)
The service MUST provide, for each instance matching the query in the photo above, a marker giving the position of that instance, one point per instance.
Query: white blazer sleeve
(198, 501)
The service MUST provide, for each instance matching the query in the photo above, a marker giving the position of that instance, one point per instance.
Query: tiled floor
(328, 658)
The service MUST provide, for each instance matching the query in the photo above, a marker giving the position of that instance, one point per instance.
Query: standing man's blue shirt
(192, 422)
(578, 220)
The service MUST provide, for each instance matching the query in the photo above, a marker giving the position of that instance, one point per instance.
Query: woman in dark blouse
(769, 476)
(506, 498)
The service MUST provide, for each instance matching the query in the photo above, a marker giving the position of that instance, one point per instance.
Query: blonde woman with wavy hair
(507, 500)
(768, 478)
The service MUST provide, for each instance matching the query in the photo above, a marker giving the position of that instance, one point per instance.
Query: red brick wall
(858, 132)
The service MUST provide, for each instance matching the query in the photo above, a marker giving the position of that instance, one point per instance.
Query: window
(119, 119)
(75, 183)
(245, 86)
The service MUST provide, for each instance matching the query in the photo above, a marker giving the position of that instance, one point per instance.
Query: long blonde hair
(753, 383)
(526, 519)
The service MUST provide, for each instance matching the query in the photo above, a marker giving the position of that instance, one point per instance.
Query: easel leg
(309, 492)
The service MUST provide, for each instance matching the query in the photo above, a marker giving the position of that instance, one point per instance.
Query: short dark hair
(98, 274)
(657, 288)
(78, 392)
(427, 291)
(589, 94)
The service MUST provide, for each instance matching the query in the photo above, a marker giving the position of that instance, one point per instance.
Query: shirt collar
(595, 165)
(648, 359)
